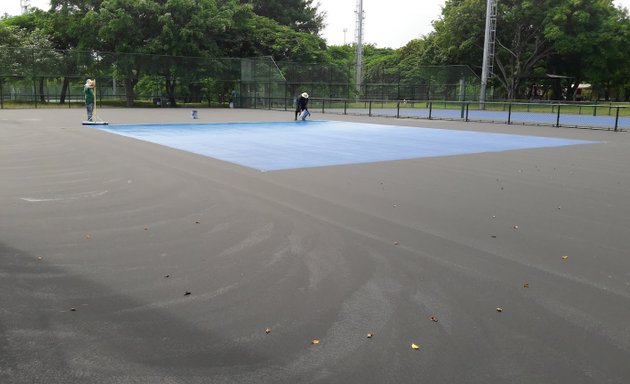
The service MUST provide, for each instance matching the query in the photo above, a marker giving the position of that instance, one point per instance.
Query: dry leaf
(413, 346)
(370, 335)
(187, 293)
(268, 330)
(515, 227)
(395, 243)
(88, 236)
(315, 341)
(565, 257)
(499, 309)
(526, 285)
(434, 319)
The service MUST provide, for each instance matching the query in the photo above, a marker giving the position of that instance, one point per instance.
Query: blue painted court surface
(272, 146)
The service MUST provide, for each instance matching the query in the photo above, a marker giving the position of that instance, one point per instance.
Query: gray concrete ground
(102, 236)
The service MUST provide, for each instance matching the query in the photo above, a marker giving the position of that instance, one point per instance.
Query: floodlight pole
(488, 49)
(359, 35)
(24, 4)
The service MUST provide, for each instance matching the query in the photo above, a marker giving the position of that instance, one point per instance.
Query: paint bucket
(305, 113)
(194, 114)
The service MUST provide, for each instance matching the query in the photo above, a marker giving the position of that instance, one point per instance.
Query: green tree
(300, 15)
(579, 39)
(590, 40)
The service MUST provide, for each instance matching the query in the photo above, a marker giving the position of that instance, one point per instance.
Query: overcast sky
(388, 23)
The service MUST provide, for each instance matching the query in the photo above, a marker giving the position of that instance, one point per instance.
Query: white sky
(388, 23)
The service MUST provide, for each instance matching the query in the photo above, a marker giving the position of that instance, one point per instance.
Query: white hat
(305, 95)
(89, 83)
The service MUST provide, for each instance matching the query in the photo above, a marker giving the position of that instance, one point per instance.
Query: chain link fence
(41, 78)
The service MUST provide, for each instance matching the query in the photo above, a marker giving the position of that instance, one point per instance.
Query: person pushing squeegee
(89, 90)
(301, 107)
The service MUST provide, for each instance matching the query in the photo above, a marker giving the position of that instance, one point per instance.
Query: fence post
(617, 119)
(398, 110)
(430, 109)
(467, 106)
(461, 113)
(323, 103)
(509, 113)
(595, 108)
(558, 117)
(345, 107)
(370, 110)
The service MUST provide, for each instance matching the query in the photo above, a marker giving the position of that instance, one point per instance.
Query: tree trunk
(42, 97)
(170, 90)
(129, 93)
(64, 90)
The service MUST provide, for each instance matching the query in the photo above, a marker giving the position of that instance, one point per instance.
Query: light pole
(359, 33)
(488, 49)
(24, 4)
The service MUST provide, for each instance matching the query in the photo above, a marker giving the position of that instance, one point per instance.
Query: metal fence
(605, 116)
(40, 78)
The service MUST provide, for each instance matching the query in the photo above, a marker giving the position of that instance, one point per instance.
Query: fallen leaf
(268, 330)
(434, 319)
(146, 228)
(187, 293)
(167, 276)
(315, 341)
(73, 309)
(414, 346)
(88, 236)
(565, 257)
(526, 285)
(499, 309)
(370, 335)
(515, 227)
(395, 243)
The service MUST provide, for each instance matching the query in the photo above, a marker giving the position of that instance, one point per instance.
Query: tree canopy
(577, 40)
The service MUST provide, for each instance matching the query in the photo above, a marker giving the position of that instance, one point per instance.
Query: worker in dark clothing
(301, 107)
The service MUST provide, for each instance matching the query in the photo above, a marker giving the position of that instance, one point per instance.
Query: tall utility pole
(24, 4)
(488, 49)
(359, 36)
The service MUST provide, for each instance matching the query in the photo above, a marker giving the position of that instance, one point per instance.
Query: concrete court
(102, 236)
